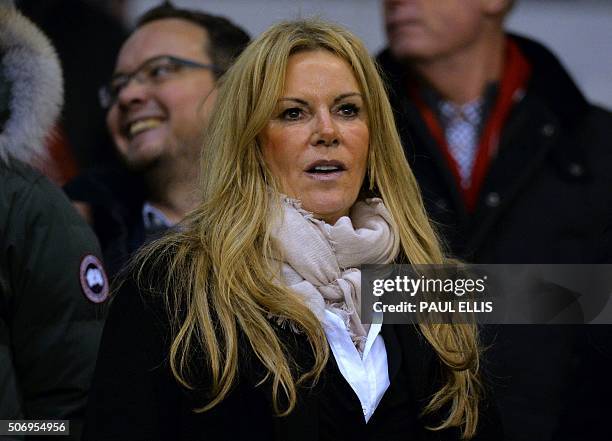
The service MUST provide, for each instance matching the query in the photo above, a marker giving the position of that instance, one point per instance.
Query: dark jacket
(49, 328)
(116, 198)
(52, 284)
(545, 199)
(134, 395)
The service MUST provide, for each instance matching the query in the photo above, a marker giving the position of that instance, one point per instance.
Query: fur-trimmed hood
(31, 70)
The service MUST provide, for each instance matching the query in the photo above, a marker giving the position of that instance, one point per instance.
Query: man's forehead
(169, 36)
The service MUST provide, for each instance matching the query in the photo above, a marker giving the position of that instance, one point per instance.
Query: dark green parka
(52, 284)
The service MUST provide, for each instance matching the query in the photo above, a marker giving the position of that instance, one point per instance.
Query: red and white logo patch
(94, 282)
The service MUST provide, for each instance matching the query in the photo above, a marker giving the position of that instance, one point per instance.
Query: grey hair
(31, 68)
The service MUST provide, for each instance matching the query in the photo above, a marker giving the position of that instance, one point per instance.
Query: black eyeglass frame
(107, 98)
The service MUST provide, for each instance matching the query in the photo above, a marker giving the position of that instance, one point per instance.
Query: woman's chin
(329, 212)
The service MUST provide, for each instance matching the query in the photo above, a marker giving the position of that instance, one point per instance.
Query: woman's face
(316, 143)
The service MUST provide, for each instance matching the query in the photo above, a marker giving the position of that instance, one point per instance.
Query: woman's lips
(328, 176)
(325, 170)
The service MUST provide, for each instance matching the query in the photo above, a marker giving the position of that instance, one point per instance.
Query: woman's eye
(292, 114)
(348, 110)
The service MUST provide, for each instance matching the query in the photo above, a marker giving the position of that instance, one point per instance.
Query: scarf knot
(321, 262)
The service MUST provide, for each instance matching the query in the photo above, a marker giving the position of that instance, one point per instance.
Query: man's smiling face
(161, 120)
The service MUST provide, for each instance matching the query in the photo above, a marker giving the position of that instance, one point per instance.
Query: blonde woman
(244, 323)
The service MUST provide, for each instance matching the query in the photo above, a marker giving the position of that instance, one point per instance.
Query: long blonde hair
(219, 282)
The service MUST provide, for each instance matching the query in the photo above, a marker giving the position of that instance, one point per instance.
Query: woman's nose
(326, 131)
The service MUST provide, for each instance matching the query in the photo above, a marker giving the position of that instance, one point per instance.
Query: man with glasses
(157, 104)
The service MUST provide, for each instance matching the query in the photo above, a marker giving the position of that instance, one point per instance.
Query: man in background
(514, 165)
(157, 103)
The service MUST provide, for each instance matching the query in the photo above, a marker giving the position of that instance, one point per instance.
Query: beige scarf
(321, 261)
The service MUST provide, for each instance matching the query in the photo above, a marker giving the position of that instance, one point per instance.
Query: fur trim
(33, 69)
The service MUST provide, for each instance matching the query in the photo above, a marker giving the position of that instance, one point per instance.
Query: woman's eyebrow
(347, 95)
(297, 100)
(338, 98)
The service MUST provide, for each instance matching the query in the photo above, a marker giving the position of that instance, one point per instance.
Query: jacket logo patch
(94, 282)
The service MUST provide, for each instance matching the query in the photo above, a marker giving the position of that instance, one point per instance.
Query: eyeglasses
(153, 71)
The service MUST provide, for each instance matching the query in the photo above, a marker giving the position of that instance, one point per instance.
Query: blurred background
(88, 34)
(578, 31)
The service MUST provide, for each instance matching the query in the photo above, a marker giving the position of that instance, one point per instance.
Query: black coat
(546, 198)
(49, 328)
(116, 198)
(134, 395)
